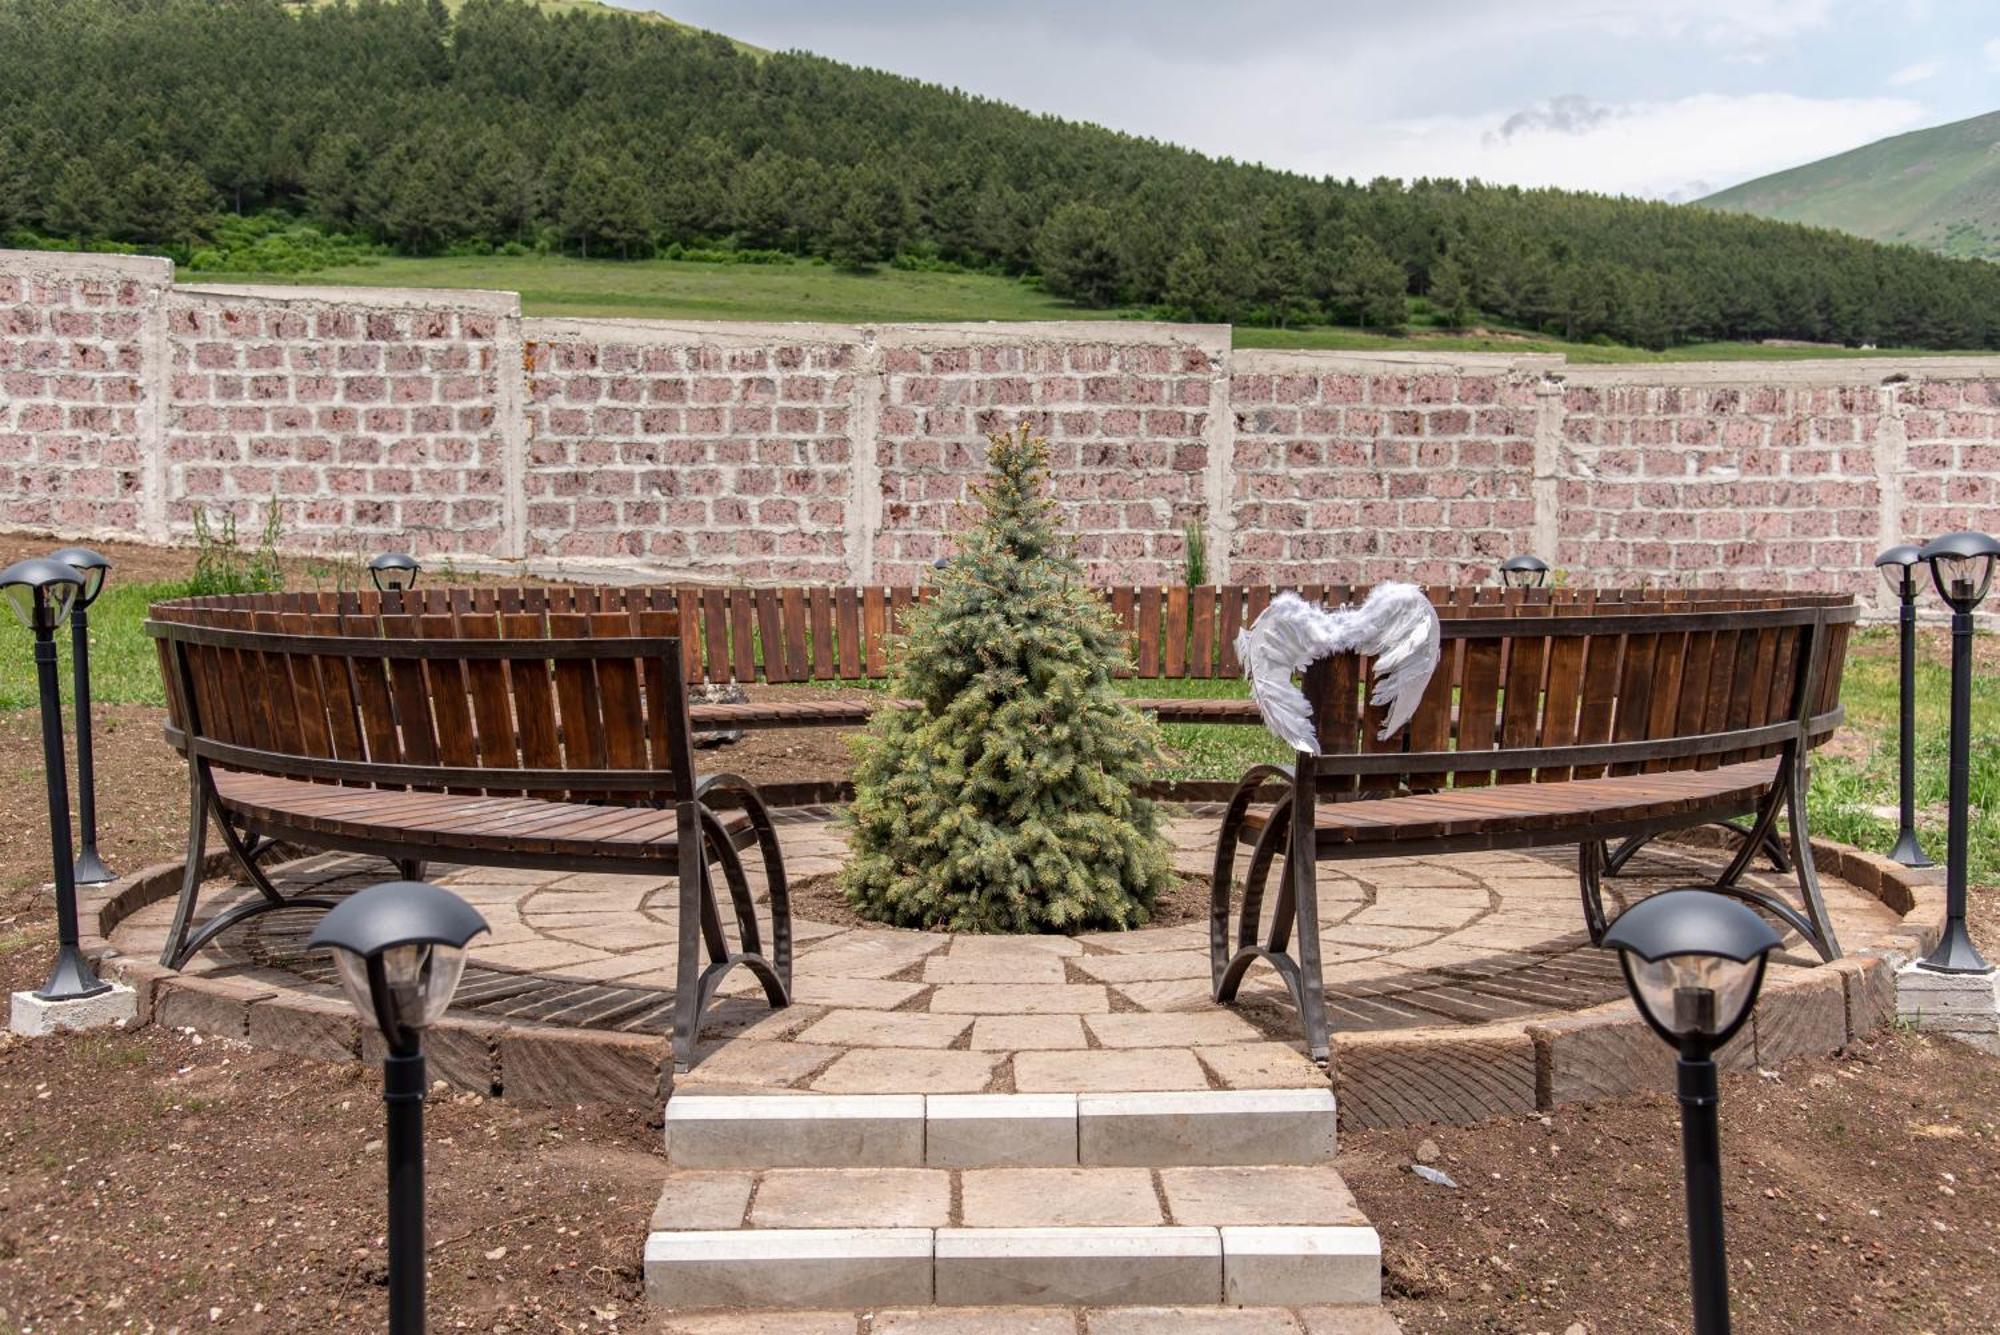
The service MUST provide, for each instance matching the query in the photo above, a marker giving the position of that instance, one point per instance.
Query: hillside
(253, 134)
(1937, 188)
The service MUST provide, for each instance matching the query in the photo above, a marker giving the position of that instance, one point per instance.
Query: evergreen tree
(1077, 252)
(1006, 799)
(1451, 292)
(1368, 287)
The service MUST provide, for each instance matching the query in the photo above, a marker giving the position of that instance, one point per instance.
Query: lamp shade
(1524, 572)
(1899, 565)
(93, 567)
(1693, 961)
(399, 949)
(1961, 567)
(393, 571)
(41, 591)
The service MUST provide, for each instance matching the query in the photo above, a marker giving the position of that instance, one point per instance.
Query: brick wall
(697, 451)
(1129, 417)
(443, 422)
(370, 420)
(73, 390)
(1948, 469)
(1353, 469)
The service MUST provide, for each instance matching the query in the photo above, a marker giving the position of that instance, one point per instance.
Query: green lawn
(687, 290)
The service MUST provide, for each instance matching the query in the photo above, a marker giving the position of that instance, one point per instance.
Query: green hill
(1938, 189)
(255, 134)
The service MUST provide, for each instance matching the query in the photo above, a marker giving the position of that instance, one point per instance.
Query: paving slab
(789, 1268)
(1298, 1266)
(1019, 966)
(1209, 1127)
(708, 1200)
(841, 1322)
(811, 1131)
(1192, 1321)
(909, 1070)
(1259, 1194)
(1102, 1070)
(852, 1198)
(1028, 1033)
(1078, 1266)
(1000, 1130)
(1019, 999)
(977, 1321)
(1211, 1026)
(1058, 1197)
(892, 1029)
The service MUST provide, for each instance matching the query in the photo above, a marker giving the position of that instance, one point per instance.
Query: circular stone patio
(1459, 986)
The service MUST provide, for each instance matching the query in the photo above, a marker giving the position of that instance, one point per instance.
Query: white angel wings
(1396, 626)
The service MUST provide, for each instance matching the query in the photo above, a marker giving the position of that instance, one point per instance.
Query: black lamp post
(1694, 962)
(1524, 572)
(399, 949)
(393, 572)
(1899, 567)
(90, 868)
(1962, 568)
(41, 592)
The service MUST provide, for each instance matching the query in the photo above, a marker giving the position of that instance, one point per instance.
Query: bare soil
(1862, 1194)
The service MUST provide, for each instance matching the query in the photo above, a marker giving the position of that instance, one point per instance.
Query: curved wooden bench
(1549, 725)
(542, 739)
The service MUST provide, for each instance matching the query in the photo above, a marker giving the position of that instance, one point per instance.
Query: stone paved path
(1411, 944)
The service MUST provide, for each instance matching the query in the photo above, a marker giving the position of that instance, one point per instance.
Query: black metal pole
(1955, 952)
(403, 1085)
(90, 868)
(1908, 851)
(1701, 1155)
(72, 978)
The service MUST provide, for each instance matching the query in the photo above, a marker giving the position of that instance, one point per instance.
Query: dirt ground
(152, 1180)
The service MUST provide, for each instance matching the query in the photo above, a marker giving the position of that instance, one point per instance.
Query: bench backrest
(1533, 691)
(829, 634)
(589, 705)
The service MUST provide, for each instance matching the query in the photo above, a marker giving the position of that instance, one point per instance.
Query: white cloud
(1917, 73)
(1661, 149)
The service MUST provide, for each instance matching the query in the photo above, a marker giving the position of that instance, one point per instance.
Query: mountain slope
(497, 126)
(1938, 189)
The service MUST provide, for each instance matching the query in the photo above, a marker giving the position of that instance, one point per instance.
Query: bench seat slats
(460, 822)
(1515, 808)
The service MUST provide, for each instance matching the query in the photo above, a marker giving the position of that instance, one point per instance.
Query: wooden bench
(540, 738)
(1546, 724)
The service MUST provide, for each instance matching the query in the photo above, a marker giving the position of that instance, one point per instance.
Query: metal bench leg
(1813, 924)
(1590, 863)
(689, 932)
(410, 869)
(1222, 879)
(183, 940)
(1302, 874)
(1772, 848)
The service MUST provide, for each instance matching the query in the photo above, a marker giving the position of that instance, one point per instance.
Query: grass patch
(124, 669)
(663, 289)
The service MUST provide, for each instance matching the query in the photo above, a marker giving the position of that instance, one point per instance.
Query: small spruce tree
(1006, 801)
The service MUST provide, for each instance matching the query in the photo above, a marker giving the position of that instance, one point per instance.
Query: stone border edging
(1387, 1079)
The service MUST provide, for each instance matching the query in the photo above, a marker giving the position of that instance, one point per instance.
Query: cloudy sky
(1666, 98)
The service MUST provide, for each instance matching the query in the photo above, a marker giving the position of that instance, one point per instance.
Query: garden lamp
(1899, 568)
(1524, 572)
(1962, 568)
(393, 572)
(1694, 962)
(399, 949)
(41, 592)
(90, 867)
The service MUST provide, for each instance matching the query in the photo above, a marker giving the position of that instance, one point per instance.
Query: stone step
(1198, 1127)
(1151, 1320)
(1271, 1236)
